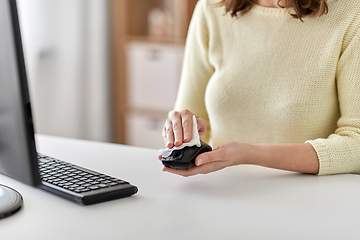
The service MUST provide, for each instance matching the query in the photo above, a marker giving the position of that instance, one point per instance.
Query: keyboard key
(72, 178)
(113, 184)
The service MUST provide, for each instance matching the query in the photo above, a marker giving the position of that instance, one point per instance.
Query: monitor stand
(10, 201)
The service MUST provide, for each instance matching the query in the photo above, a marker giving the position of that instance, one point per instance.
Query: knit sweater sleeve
(340, 152)
(197, 69)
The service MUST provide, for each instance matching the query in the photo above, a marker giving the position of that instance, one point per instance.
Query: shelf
(165, 18)
(139, 21)
(152, 112)
(150, 39)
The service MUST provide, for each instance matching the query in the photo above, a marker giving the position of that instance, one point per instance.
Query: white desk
(245, 202)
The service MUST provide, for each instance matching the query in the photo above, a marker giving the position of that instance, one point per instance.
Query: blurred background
(104, 70)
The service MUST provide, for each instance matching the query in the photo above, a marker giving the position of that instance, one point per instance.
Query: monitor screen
(17, 146)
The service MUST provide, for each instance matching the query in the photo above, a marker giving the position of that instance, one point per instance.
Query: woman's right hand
(178, 128)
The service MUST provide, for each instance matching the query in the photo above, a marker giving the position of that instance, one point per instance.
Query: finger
(203, 169)
(210, 167)
(182, 172)
(175, 119)
(187, 124)
(210, 157)
(164, 134)
(178, 131)
(168, 134)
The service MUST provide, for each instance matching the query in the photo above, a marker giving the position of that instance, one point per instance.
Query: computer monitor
(18, 156)
(17, 144)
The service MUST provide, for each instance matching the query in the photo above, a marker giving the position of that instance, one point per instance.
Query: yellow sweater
(266, 77)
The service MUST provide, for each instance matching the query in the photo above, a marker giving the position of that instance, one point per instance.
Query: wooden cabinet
(147, 44)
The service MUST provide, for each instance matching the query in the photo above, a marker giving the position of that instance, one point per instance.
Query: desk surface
(244, 202)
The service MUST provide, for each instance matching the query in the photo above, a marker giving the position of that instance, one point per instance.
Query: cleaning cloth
(195, 140)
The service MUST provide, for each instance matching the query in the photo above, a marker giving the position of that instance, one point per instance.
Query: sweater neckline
(272, 10)
(262, 9)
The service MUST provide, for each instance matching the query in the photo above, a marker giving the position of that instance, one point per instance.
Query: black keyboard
(80, 184)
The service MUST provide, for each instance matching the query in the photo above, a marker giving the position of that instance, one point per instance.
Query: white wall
(66, 52)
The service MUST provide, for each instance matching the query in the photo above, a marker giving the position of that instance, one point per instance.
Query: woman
(272, 83)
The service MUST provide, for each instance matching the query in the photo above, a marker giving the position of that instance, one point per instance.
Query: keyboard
(79, 184)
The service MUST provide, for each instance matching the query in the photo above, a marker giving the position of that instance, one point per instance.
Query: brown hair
(302, 8)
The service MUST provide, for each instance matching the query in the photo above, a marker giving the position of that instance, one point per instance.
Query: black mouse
(185, 158)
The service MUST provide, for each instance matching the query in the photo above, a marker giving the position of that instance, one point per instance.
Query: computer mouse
(185, 158)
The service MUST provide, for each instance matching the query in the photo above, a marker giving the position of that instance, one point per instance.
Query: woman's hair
(302, 8)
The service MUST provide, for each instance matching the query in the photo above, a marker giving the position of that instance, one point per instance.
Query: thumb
(209, 157)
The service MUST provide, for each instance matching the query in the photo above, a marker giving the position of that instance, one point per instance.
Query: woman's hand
(228, 154)
(178, 128)
(297, 157)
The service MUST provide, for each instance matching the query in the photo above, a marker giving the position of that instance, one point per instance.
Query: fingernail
(199, 162)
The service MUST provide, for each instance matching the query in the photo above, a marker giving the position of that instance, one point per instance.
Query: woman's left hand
(228, 154)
